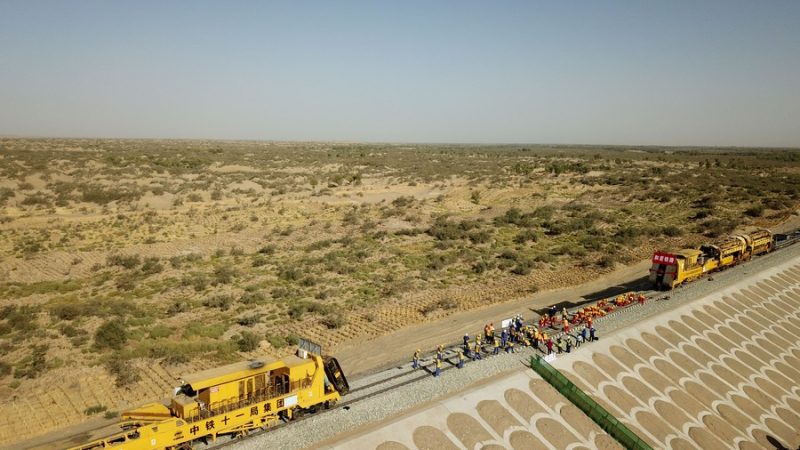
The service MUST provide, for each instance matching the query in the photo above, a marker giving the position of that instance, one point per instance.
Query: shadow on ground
(639, 284)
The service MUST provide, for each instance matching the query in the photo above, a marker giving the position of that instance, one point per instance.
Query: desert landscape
(334, 225)
(126, 263)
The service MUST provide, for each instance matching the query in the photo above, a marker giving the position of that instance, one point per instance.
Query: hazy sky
(609, 72)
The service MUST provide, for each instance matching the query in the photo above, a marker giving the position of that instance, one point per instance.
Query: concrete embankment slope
(720, 371)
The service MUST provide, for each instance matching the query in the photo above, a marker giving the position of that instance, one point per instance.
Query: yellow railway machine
(233, 399)
(670, 269)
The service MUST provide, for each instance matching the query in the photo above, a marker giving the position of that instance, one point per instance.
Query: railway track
(377, 384)
(387, 380)
(391, 382)
(356, 395)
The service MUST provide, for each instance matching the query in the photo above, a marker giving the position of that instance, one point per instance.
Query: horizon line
(368, 142)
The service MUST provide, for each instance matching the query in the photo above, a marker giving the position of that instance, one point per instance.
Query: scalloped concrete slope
(720, 372)
(519, 411)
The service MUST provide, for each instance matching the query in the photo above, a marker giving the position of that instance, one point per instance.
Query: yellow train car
(671, 269)
(760, 241)
(233, 399)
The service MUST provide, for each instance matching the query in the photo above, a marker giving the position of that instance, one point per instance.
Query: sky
(719, 73)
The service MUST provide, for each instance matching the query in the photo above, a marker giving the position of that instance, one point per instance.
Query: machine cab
(664, 268)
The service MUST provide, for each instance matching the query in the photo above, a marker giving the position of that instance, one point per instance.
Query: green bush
(37, 198)
(755, 211)
(22, 319)
(126, 282)
(716, 227)
(525, 236)
(475, 197)
(523, 267)
(671, 231)
(606, 261)
(221, 301)
(160, 331)
(289, 273)
(275, 341)
(515, 217)
(212, 331)
(35, 365)
(151, 266)
(5, 369)
(444, 230)
(481, 266)
(94, 410)
(247, 341)
(249, 321)
(101, 196)
(69, 331)
(403, 201)
(267, 249)
(298, 309)
(111, 334)
(252, 298)
(126, 261)
(333, 321)
(199, 281)
(68, 311)
(177, 307)
(224, 275)
(125, 374)
(479, 237)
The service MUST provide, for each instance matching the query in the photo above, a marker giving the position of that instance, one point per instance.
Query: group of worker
(517, 333)
(506, 341)
(437, 362)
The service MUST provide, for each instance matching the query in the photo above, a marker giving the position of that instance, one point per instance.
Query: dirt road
(361, 357)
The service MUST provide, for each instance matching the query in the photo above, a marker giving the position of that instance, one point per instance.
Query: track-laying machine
(234, 399)
(671, 269)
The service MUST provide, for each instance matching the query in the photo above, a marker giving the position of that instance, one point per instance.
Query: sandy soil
(468, 430)
(496, 416)
(522, 404)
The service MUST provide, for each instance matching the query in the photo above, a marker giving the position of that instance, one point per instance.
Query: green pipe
(597, 413)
